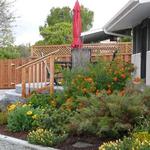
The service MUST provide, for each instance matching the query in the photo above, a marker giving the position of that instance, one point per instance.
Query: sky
(32, 13)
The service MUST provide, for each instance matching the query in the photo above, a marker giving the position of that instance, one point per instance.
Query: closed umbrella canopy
(77, 26)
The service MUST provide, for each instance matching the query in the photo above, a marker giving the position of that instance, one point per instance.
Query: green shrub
(108, 76)
(107, 115)
(9, 53)
(46, 137)
(146, 100)
(39, 100)
(3, 118)
(55, 119)
(138, 141)
(143, 124)
(23, 118)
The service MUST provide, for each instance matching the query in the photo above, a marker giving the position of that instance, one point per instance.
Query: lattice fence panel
(96, 50)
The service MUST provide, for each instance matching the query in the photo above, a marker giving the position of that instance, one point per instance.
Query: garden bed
(105, 103)
(19, 135)
(67, 145)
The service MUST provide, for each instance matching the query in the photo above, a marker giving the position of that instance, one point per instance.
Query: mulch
(66, 145)
(18, 135)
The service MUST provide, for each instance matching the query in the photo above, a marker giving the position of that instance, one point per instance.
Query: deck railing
(35, 74)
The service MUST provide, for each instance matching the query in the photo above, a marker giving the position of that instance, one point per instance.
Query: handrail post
(51, 74)
(23, 82)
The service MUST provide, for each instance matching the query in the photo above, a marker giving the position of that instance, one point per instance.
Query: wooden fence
(9, 76)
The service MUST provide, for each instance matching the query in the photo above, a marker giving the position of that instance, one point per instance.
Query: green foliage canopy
(58, 26)
(6, 20)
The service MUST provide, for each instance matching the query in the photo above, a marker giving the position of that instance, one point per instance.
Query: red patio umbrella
(77, 26)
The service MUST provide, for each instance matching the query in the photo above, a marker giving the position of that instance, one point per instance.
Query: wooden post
(52, 74)
(32, 53)
(24, 82)
(80, 57)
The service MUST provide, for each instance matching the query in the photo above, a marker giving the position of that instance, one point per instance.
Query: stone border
(10, 143)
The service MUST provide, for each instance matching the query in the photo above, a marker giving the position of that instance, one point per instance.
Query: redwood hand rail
(34, 74)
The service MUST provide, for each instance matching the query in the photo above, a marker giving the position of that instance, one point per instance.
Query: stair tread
(12, 92)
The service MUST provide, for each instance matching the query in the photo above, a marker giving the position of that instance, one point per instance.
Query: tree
(6, 20)
(87, 18)
(58, 26)
(125, 39)
(59, 33)
(58, 15)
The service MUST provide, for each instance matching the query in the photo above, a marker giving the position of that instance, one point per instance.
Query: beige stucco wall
(136, 60)
(148, 69)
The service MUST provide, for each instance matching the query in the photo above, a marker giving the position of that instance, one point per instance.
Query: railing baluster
(37, 74)
(51, 74)
(29, 82)
(45, 74)
(41, 74)
(33, 77)
(24, 82)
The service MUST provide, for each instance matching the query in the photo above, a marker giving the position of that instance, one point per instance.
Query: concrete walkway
(2, 94)
(10, 143)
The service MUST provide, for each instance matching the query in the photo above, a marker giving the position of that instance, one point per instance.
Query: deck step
(32, 87)
(14, 95)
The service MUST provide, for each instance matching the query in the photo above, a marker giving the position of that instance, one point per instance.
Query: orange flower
(68, 107)
(122, 93)
(122, 69)
(137, 80)
(116, 72)
(84, 90)
(109, 91)
(115, 79)
(69, 100)
(123, 76)
(81, 105)
(90, 80)
(97, 92)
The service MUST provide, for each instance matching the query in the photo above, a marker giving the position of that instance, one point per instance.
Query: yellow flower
(24, 105)
(11, 107)
(29, 113)
(34, 117)
(53, 103)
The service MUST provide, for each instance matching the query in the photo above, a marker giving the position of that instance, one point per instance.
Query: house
(135, 16)
(96, 35)
(134, 20)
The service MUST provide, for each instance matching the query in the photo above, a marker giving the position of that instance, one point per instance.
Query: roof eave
(122, 13)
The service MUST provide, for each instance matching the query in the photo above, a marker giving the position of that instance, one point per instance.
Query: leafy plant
(45, 137)
(39, 100)
(137, 141)
(23, 118)
(96, 77)
(55, 119)
(107, 115)
(3, 118)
